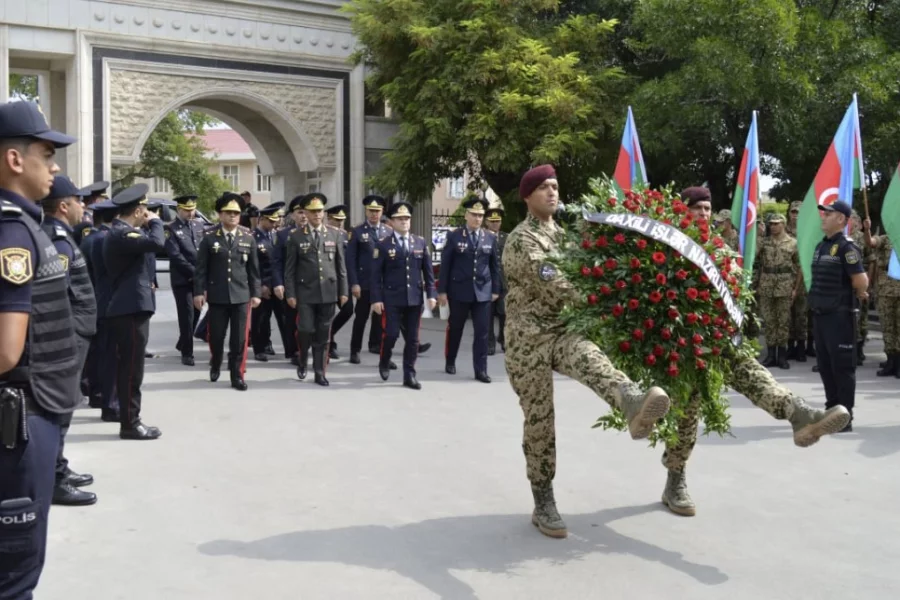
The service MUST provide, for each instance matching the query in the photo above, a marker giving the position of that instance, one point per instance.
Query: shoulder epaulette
(9, 209)
(59, 233)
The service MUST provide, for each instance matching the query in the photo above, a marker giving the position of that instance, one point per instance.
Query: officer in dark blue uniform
(261, 319)
(402, 274)
(337, 216)
(469, 282)
(839, 281)
(289, 322)
(183, 237)
(39, 365)
(90, 195)
(359, 272)
(131, 302)
(63, 210)
(493, 220)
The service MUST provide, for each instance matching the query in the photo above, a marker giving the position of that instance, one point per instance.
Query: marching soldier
(777, 270)
(359, 270)
(401, 274)
(493, 220)
(183, 236)
(337, 215)
(62, 211)
(261, 318)
(227, 276)
(289, 323)
(726, 229)
(315, 281)
(469, 282)
(888, 300)
(131, 301)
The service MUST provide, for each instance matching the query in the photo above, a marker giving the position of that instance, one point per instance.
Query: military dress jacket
(315, 272)
(402, 278)
(470, 272)
(279, 243)
(360, 250)
(125, 251)
(182, 240)
(265, 251)
(227, 274)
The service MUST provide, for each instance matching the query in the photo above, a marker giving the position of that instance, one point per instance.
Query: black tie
(230, 238)
(404, 246)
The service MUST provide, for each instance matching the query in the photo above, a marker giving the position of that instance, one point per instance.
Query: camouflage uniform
(777, 266)
(800, 323)
(731, 237)
(888, 306)
(863, 315)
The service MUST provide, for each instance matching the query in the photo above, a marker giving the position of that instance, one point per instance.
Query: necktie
(230, 238)
(316, 237)
(404, 246)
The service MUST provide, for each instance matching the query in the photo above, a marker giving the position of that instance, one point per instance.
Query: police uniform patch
(833, 250)
(65, 261)
(15, 265)
(852, 257)
(375, 253)
(133, 234)
(547, 272)
(167, 234)
(86, 232)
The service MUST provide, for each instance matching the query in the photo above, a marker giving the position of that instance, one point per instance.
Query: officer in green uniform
(722, 221)
(862, 330)
(493, 220)
(227, 276)
(888, 290)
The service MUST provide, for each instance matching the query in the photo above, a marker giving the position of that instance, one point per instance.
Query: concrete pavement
(369, 490)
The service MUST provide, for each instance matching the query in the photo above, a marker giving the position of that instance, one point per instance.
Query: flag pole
(865, 195)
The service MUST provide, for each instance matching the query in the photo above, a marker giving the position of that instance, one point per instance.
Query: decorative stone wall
(137, 98)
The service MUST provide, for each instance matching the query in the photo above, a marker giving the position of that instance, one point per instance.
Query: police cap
(228, 202)
(400, 209)
(374, 202)
(314, 201)
(252, 210)
(26, 119)
(338, 212)
(136, 194)
(839, 206)
(104, 205)
(95, 189)
(62, 188)
(495, 214)
(188, 202)
(272, 211)
(475, 206)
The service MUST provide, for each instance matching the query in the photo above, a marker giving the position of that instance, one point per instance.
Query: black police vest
(831, 289)
(49, 366)
(81, 291)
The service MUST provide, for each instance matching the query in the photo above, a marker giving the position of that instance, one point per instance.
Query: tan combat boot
(545, 516)
(676, 497)
(810, 424)
(642, 410)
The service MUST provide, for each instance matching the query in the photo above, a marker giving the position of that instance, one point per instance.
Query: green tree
(490, 87)
(175, 152)
(24, 87)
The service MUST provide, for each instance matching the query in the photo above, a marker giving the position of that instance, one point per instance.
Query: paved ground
(370, 490)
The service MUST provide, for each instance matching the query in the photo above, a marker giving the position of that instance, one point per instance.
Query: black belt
(831, 311)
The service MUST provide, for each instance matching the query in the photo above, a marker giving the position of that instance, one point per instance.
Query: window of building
(160, 186)
(263, 182)
(457, 187)
(313, 182)
(231, 174)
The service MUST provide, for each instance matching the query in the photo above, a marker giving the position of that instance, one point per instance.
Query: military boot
(888, 367)
(800, 351)
(781, 358)
(771, 357)
(810, 424)
(676, 497)
(811, 347)
(791, 350)
(642, 410)
(860, 354)
(545, 516)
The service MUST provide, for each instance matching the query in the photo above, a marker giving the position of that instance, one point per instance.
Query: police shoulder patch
(375, 253)
(15, 265)
(852, 257)
(547, 271)
(65, 261)
(86, 232)
(133, 234)
(168, 234)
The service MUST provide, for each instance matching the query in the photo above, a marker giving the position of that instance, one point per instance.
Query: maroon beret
(695, 194)
(535, 177)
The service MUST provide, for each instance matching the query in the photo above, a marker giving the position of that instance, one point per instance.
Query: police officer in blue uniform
(402, 274)
(62, 211)
(288, 323)
(839, 283)
(39, 363)
(90, 195)
(132, 302)
(337, 215)
(469, 282)
(359, 272)
(261, 319)
(183, 237)
(227, 277)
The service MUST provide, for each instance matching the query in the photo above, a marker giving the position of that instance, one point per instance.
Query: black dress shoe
(148, 355)
(239, 384)
(110, 416)
(295, 361)
(66, 494)
(423, 348)
(178, 346)
(492, 351)
(261, 357)
(412, 383)
(848, 428)
(214, 373)
(354, 358)
(392, 365)
(139, 432)
(270, 350)
(815, 369)
(187, 361)
(95, 402)
(384, 370)
(374, 349)
(333, 355)
(320, 379)
(482, 377)
(301, 372)
(78, 479)
(451, 369)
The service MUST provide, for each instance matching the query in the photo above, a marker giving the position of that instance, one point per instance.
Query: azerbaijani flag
(840, 174)
(630, 168)
(746, 198)
(890, 217)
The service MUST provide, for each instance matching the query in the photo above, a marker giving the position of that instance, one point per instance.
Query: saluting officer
(227, 277)
(63, 210)
(337, 215)
(469, 282)
(183, 236)
(493, 220)
(261, 319)
(131, 302)
(838, 281)
(39, 367)
(401, 274)
(297, 218)
(315, 281)
(362, 243)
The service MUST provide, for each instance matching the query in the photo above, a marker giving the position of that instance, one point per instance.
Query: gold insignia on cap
(402, 211)
(340, 215)
(189, 205)
(274, 216)
(15, 265)
(232, 206)
(315, 204)
(374, 205)
(495, 216)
